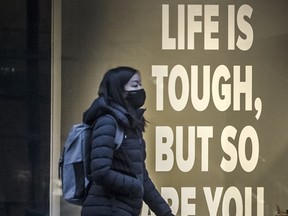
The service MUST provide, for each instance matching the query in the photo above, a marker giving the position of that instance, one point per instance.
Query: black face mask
(136, 98)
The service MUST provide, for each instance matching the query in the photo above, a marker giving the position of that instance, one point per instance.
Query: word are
(208, 15)
(247, 152)
(222, 202)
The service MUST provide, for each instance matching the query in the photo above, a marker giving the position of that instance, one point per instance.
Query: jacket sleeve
(152, 197)
(102, 151)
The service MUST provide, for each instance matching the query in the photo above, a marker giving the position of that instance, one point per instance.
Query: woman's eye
(136, 85)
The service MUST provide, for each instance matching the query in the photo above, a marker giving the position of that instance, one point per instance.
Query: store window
(216, 81)
(25, 71)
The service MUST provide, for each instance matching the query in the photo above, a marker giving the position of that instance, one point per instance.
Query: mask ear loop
(125, 94)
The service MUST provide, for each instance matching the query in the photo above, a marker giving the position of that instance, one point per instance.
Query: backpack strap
(119, 136)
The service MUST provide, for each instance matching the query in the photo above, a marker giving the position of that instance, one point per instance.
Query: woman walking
(120, 179)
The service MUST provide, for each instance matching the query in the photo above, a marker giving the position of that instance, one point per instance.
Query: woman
(120, 178)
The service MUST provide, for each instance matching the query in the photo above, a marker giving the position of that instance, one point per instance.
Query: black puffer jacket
(120, 179)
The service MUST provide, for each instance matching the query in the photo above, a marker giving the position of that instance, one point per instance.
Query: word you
(221, 201)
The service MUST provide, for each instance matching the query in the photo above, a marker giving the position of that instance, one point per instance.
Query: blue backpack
(74, 163)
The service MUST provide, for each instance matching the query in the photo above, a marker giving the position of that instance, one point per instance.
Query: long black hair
(113, 82)
(112, 89)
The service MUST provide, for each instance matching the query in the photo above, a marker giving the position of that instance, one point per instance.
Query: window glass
(25, 107)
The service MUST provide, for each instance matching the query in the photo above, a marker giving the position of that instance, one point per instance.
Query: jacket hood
(99, 107)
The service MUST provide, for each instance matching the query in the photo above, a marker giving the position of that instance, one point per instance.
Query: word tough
(221, 88)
